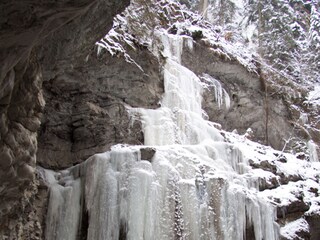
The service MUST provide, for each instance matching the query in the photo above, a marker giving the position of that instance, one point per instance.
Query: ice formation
(197, 186)
(313, 151)
(221, 96)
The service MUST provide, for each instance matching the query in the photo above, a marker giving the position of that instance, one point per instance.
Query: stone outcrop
(20, 113)
(297, 207)
(24, 27)
(147, 153)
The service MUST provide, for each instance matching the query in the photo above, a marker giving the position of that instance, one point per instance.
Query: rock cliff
(26, 27)
(86, 102)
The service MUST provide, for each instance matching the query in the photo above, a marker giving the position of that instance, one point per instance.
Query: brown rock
(314, 225)
(264, 165)
(86, 110)
(147, 153)
(297, 206)
(271, 184)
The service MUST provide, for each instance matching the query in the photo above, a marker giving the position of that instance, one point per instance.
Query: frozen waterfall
(195, 187)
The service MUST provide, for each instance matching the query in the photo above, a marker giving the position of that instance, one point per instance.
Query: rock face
(249, 107)
(313, 221)
(24, 27)
(86, 105)
(20, 121)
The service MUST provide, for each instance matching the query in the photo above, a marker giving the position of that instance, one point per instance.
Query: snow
(115, 42)
(249, 33)
(307, 187)
(239, 3)
(289, 231)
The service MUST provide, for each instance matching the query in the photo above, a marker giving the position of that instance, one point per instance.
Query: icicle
(189, 43)
(220, 94)
(173, 45)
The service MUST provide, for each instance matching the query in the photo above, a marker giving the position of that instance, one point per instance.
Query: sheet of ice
(204, 176)
(179, 120)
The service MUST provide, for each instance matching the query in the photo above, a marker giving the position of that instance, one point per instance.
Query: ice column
(64, 206)
(190, 192)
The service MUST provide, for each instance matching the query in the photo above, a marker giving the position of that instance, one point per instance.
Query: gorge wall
(25, 27)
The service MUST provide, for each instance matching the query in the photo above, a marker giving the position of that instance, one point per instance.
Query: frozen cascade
(196, 186)
(179, 120)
